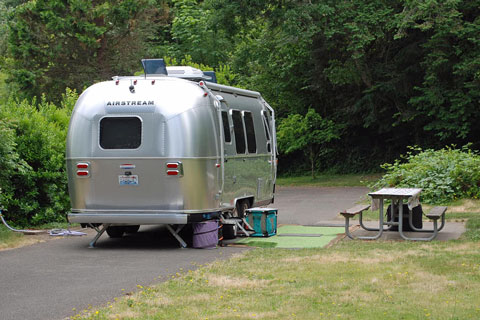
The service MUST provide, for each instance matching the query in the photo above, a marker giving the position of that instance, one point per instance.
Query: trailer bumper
(128, 218)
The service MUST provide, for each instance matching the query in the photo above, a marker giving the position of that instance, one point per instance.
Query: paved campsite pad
(296, 237)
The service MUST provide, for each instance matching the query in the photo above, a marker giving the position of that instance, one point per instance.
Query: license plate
(128, 180)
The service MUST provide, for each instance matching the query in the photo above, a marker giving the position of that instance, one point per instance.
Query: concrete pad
(451, 231)
(314, 205)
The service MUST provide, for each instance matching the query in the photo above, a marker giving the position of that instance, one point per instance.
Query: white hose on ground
(53, 232)
(16, 230)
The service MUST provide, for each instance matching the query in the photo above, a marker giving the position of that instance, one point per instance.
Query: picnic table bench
(435, 214)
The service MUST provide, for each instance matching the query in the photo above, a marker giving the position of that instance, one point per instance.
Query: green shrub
(444, 175)
(35, 190)
(10, 163)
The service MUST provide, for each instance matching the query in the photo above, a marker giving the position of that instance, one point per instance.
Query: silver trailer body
(164, 150)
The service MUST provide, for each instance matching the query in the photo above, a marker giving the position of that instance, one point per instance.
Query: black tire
(115, 232)
(239, 211)
(132, 229)
(229, 231)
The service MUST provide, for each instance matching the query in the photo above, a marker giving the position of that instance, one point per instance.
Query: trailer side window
(226, 127)
(238, 130)
(266, 126)
(249, 127)
(120, 133)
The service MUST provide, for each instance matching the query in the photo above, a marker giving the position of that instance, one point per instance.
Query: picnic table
(396, 196)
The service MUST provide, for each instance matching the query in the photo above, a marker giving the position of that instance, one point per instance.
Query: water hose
(22, 231)
(53, 232)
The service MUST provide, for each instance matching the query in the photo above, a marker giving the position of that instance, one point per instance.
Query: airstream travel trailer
(168, 147)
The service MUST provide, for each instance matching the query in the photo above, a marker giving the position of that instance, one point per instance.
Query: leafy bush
(35, 183)
(444, 175)
(10, 162)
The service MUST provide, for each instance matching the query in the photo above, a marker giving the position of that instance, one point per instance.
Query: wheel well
(249, 199)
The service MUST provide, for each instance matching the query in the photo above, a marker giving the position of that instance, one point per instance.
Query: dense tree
(394, 73)
(56, 44)
(391, 73)
(310, 133)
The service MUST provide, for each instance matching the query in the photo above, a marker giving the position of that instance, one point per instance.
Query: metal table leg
(372, 229)
(410, 221)
(400, 227)
(380, 226)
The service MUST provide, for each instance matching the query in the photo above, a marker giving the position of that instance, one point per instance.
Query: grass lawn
(329, 180)
(350, 280)
(353, 280)
(9, 239)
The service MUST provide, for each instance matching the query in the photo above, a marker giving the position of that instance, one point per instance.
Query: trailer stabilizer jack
(99, 234)
(175, 234)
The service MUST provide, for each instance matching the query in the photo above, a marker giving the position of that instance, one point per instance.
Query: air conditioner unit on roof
(185, 72)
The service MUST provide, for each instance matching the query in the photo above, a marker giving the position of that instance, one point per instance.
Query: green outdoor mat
(296, 237)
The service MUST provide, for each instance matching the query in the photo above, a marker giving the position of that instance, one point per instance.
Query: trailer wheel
(229, 231)
(131, 229)
(239, 211)
(115, 232)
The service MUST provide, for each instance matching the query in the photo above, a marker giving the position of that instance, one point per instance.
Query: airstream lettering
(168, 148)
(130, 103)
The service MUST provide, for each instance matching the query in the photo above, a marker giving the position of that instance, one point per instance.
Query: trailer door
(229, 158)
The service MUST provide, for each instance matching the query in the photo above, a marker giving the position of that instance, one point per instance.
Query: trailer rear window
(120, 133)
(238, 130)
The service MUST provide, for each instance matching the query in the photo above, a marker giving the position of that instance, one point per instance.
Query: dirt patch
(379, 257)
(31, 239)
(468, 205)
(230, 282)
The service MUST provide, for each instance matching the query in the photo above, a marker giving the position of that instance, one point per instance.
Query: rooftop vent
(210, 76)
(154, 67)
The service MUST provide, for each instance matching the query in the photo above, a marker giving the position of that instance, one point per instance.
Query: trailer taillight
(83, 169)
(174, 168)
(82, 165)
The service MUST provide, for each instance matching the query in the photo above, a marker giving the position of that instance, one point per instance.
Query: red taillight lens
(82, 165)
(174, 168)
(82, 173)
(172, 165)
